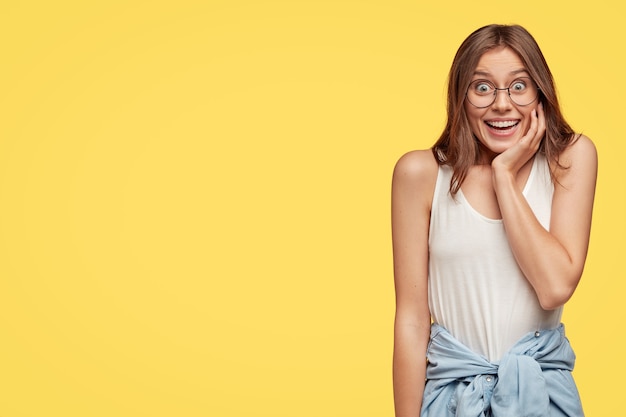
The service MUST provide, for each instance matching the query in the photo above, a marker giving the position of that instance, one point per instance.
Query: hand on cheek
(514, 158)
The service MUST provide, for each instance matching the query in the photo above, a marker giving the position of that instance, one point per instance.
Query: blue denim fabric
(532, 380)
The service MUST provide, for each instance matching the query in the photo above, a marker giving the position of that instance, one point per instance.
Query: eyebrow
(514, 72)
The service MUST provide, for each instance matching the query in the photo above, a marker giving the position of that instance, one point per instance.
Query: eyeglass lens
(522, 91)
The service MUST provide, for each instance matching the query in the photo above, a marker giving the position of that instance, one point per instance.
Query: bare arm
(412, 190)
(553, 260)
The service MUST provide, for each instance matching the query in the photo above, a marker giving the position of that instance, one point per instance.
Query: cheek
(527, 119)
(474, 119)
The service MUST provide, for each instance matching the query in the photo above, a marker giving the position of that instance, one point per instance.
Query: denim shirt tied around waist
(532, 380)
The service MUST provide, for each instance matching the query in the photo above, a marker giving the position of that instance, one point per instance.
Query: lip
(502, 132)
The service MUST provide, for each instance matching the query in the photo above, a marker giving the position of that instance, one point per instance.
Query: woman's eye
(483, 88)
(518, 86)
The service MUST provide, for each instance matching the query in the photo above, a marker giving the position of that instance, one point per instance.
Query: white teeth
(503, 124)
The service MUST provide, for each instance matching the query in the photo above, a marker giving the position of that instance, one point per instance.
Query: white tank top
(476, 290)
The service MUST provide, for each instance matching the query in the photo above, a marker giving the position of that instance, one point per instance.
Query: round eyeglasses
(482, 93)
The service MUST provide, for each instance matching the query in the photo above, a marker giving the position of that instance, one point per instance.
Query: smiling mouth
(502, 124)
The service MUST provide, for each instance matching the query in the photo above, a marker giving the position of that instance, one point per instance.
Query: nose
(502, 101)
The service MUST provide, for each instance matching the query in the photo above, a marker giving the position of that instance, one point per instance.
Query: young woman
(490, 234)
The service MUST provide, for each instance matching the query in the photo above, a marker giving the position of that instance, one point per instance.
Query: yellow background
(194, 197)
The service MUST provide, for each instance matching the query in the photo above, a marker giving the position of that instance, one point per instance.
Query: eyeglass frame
(508, 90)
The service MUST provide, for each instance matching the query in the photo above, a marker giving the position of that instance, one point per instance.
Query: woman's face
(501, 124)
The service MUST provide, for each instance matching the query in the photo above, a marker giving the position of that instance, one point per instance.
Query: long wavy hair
(457, 145)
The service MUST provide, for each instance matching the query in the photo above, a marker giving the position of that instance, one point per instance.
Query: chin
(496, 145)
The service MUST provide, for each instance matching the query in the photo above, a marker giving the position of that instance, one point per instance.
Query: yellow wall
(194, 197)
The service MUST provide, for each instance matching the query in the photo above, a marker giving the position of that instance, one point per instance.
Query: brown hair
(457, 146)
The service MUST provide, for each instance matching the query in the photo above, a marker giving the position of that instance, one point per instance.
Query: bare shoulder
(581, 150)
(416, 166)
(415, 176)
(580, 160)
